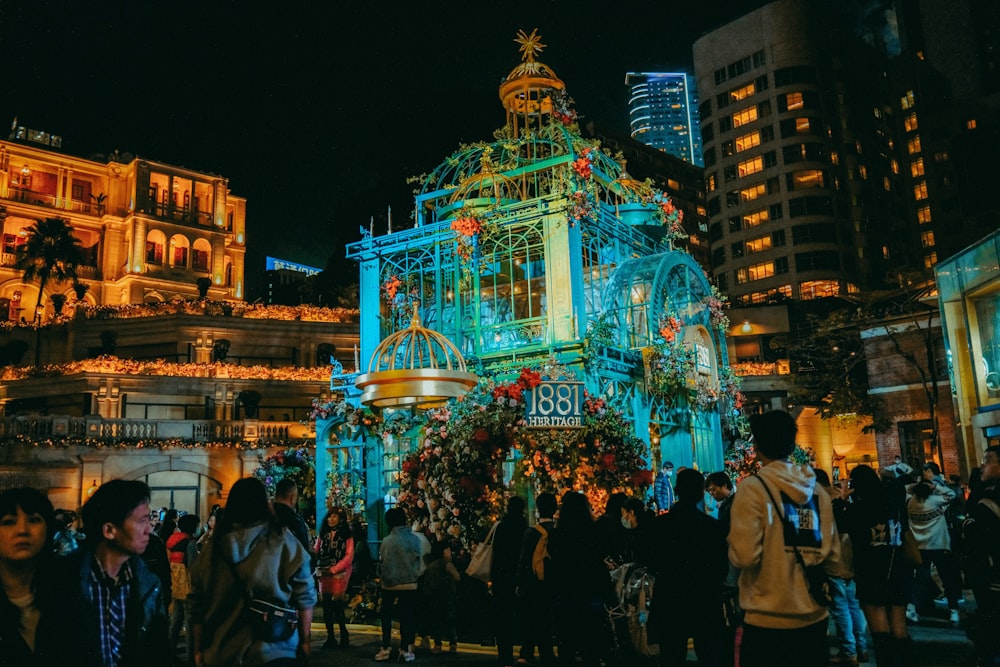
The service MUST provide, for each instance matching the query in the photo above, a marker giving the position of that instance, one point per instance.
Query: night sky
(317, 112)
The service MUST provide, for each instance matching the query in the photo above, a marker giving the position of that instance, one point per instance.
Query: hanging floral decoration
(671, 362)
(455, 479)
(401, 294)
(581, 206)
(346, 489)
(562, 108)
(294, 464)
(468, 228)
(740, 460)
(583, 166)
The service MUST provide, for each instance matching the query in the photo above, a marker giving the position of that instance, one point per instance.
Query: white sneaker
(383, 655)
(953, 617)
(911, 614)
(407, 656)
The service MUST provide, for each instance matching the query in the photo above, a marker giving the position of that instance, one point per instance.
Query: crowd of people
(753, 574)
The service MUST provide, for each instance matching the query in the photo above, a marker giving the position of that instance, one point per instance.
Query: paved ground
(938, 645)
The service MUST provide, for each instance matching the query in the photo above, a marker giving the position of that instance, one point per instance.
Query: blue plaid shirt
(110, 596)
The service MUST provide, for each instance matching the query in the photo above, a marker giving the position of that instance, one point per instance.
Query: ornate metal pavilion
(538, 245)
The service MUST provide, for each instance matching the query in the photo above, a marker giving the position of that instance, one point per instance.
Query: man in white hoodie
(780, 526)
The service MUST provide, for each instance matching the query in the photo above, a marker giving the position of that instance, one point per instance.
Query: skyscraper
(797, 156)
(662, 109)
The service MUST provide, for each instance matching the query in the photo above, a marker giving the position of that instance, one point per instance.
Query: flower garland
(139, 443)
(114, 366)
(455, 479)
(294, 464)
(671, 363)
(346, 489)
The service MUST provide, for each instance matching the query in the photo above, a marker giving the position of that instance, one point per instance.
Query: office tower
(798, 157)
(662, 113)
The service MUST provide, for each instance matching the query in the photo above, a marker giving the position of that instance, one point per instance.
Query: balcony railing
(49, 201)
(151, 432)
(86, 272)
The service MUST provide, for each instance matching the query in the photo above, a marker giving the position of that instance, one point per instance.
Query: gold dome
(414, 367)
(527, 91)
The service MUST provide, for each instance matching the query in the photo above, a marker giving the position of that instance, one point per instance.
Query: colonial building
(149, 231)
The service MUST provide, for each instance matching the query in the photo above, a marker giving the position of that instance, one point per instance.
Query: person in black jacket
(534, 595)
(503, 576)
(27, 591)
(110, 581)
(691, 566)
(581, 584)
(286, 497)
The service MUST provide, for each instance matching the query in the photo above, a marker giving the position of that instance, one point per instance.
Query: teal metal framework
(567, 241)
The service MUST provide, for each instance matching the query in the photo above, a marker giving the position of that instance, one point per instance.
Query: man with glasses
(982, 538)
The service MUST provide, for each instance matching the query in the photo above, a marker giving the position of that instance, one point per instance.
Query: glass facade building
(662, 113)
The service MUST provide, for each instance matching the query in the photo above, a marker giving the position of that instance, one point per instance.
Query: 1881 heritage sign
(555, 405)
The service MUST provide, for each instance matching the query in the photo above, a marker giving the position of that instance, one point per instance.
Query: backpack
(541, 553)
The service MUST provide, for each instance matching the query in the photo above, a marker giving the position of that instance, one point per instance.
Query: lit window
(834, 157)
(710, 182)
(751, 166)
(808, 178)
(908, 100)
(745, 116)
(920, 191)
(759, 244)
(756, 218)
(742, 93)
(930, 259)
(801, 124)
(941, 157)
(877, 112)
(970, 124)
(747, 141)
(794, 101)
(886, 185)
(913, 145)
(751, 193)
(927, 239)
(894, 164)
(917, 167)
(817, 289)
(910, 123)
(924, 214)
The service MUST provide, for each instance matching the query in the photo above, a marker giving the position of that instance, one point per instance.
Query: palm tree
(50, 253)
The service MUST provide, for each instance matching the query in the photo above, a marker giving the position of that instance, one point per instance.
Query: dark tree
(50, 253)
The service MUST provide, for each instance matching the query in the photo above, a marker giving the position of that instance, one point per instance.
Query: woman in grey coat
(250, 554)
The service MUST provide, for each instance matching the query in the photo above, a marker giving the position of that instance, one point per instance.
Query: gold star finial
(531, 45)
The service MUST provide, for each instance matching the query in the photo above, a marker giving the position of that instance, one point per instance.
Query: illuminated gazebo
(538, 246)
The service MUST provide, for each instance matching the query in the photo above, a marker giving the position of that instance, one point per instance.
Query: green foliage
(296, 464)
(830, 372)
(50, 253)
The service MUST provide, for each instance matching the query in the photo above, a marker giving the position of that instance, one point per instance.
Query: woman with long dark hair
(335, 560)
(874, 515)
(250, 555)
(36, 620)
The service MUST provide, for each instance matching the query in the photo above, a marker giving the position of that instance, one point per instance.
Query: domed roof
(415, 367)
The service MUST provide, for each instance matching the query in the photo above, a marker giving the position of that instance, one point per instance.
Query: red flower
(529, 379)
(467, 226)
(481, 435)
(582, 165)
(608, 462)
(641, 478)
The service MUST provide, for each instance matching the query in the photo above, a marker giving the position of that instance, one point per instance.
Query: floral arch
(472, 454)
